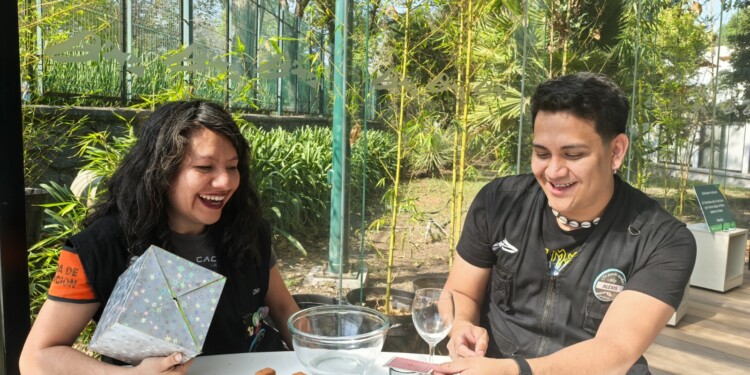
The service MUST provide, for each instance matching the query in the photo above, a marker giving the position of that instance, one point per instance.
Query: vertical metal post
(186, 30)
(338, 250)
(40, 51)
(365, 115)
(280, 80)
(228, 20)
(523, 86)
(322, 85)
(310, 92)
(256, 64)
(716, 90)
(14, 273)
(635, 85)
(295, 60)
(126, 81)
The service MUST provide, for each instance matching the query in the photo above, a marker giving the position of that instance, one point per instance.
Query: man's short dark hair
(587, 95)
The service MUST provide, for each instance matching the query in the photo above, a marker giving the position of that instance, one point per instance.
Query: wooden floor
(712, 338)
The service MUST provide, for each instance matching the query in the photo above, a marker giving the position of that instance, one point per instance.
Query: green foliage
(379, 153)
(158, 67)
(290, 172)
(429, 147)
(64, 218)
(103, 152)
(738, 36)
(44, 139)
(66, 212)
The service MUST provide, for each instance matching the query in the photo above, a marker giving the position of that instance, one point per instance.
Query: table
(285, 363)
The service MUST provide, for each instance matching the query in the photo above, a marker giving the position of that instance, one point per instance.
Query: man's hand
(477, 366)
(164, 365)
(468, 340)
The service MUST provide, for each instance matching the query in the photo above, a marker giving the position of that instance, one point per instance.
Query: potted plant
(429, 281)
(402, 337)
(311, 300)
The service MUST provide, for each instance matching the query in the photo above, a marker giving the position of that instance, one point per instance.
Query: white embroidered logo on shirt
(504, 245)
(256, 291)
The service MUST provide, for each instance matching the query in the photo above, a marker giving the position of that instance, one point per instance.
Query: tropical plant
(45, 138)
(428, 149)
(65, 218)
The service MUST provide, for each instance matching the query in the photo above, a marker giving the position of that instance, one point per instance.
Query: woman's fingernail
(178, 357)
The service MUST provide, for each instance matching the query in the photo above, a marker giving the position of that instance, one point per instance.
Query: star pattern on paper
(148, 319)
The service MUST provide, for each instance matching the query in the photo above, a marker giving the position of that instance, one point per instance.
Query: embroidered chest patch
(609, 284)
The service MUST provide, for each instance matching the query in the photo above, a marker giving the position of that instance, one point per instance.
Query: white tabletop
(285, 363)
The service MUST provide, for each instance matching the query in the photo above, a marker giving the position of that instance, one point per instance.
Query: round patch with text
(609, 284)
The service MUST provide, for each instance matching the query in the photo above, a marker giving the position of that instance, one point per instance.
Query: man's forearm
(594, 356)
(631, 324)
(466, 310)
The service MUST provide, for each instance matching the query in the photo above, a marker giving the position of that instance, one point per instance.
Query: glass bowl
(338, 339)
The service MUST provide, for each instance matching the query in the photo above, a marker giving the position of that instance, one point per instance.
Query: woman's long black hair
(138, 190)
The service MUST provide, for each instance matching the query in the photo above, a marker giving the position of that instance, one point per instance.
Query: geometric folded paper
(161, 304)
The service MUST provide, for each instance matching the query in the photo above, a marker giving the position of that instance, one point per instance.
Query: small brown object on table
(266, 371)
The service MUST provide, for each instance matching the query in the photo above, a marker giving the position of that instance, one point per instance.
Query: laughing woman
(184, 187)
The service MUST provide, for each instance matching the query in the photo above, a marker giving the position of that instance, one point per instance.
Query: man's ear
(618, 147)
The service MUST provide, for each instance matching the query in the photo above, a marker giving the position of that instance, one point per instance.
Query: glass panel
(244, 45)
(435, 88)
(156, 33)
(92, 31)
(209, 38)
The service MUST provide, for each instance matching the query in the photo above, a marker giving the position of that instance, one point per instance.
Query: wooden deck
(712, 338)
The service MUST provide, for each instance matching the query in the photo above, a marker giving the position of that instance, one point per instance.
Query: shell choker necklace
(574, 223)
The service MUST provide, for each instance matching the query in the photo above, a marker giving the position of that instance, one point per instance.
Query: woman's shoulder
(102, 231)
(265, 235)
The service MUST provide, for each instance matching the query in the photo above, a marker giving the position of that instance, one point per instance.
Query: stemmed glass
(432, 312)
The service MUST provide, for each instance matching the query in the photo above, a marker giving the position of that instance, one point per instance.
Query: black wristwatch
(523, 366)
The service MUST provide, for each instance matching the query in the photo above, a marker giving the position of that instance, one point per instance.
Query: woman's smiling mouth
(213, 201)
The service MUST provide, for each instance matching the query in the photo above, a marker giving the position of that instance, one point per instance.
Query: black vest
(102, 249)
(530, 313)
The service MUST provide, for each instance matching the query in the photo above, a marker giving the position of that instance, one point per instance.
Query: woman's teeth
(213, 198)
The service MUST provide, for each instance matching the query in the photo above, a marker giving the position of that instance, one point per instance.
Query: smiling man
(569, 270)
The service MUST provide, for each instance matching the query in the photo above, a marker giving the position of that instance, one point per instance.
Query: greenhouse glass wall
(434, 91)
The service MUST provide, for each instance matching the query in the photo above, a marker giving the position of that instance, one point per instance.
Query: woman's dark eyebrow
(209, 157)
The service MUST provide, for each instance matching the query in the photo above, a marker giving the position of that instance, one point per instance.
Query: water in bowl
(339, 363)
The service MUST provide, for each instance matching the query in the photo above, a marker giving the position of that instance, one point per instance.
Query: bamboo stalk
(455, 228)
(397, 179)
(465, 133)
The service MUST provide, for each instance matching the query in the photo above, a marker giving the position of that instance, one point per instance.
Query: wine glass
(432, 312)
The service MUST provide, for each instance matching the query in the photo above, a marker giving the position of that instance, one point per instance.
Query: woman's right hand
(468, 340)
(163, 365)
